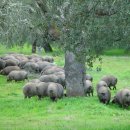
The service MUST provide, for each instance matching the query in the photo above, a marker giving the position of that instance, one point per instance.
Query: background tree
(26, 21)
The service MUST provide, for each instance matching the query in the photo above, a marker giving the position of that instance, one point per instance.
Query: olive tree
(26, 21)
(88, 27)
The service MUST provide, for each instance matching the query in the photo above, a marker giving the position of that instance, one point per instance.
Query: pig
(110, 80)
(55, 91)
(29, 90)
(88, 88)
(122, 98)
(89, 77)
(104, 95)
(17, 75)
(8, 69)
(42, 89)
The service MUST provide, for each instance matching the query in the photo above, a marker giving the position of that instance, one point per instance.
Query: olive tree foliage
(87, 28)
(24, 21)
(93, 25)
(13, 22)
(93, 20)
(99, 24)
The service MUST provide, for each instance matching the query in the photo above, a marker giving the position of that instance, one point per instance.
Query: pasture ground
(80, 113)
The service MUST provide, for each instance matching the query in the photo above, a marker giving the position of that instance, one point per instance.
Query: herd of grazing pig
(51, 79)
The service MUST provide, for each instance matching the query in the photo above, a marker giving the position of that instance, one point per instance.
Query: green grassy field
(80, 113)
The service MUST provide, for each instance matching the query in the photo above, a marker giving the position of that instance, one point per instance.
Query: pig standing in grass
(103, 92)
(49, 66)
(29, 90)
(48, 59)
(44, 64)
(11, 62)
(53, 78)
(8, 69)
(55, 91)
(101, 84)
(17, 75)
(122, 98)
(88, 88)
(35, 81)
(110, 80)
(2, 64)
(89, 77)
(52, 69)
(42, 89)
(31, 67)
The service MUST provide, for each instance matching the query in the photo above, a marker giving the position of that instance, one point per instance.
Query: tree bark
(74, 75)
(47, 47)
(34, 47)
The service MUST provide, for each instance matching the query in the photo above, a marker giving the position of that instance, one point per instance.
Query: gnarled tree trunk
(47, 47)
(74, 75)
(34, 47)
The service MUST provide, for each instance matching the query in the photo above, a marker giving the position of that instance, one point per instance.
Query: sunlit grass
(117, 52)
(80, 113)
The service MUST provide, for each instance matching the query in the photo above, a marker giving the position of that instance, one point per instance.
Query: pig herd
(103, 87)
(51, 79)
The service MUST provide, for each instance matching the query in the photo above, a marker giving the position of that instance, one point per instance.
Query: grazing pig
(88, 88)
(11, 62)
(42, 89)
(61, 79)
(110, 80)
(29, 90)
(17, 75)
(49, 78)
(2, 64)
(89, 77)
(35, 81)
(7, 57)
(101, 84)
(31, 67)
(122, 98)
(104, 95)
(35, 57)
(55, 91)
(60, 73)
(49, 66)
(52, 71)
(53, 78)
(44, 64)
(22, 63)
(8, 69)
(48, 59)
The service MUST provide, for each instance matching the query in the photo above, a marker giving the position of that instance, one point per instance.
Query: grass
(26, 49)
(117, 52)
(79, 113)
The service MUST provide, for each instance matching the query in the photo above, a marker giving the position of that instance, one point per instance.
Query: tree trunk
(34, 47)
(74, 75)
(47, 47)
